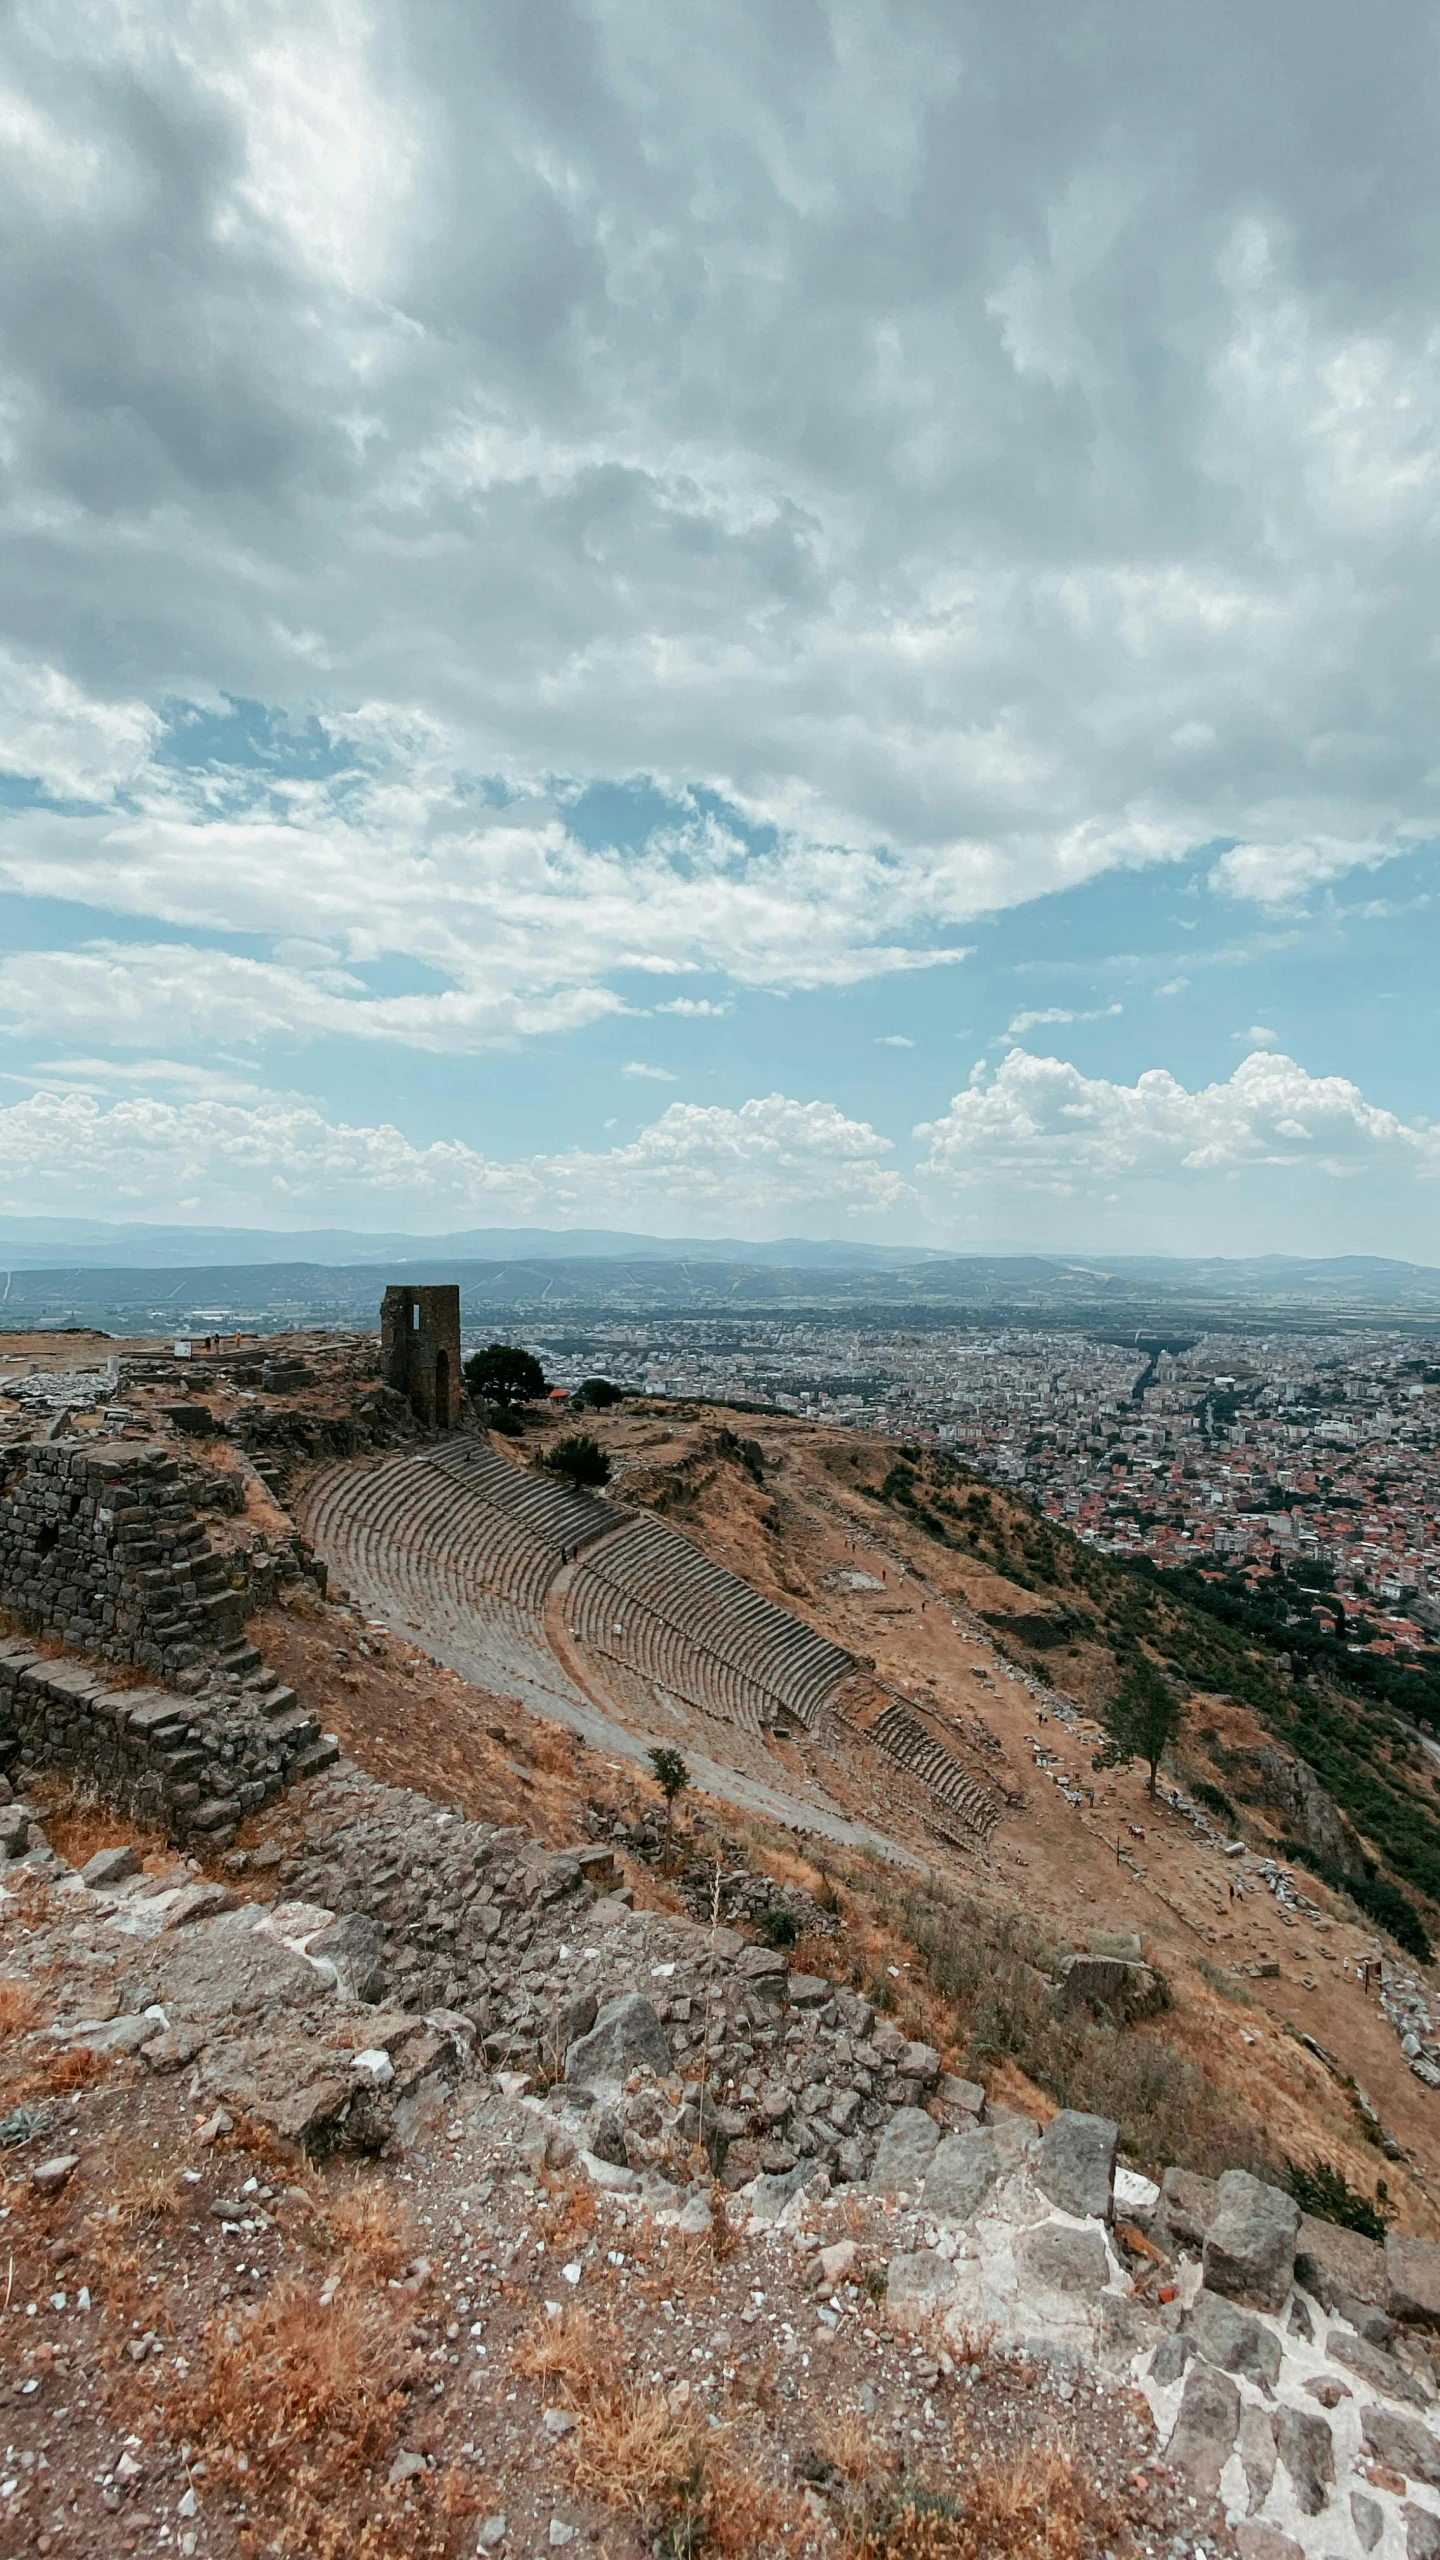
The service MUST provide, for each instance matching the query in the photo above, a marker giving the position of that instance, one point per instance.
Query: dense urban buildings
(1230, 1453)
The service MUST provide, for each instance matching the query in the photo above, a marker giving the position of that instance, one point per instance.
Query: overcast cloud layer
(522, 526)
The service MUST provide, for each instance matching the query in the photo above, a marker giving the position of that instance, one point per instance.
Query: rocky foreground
(399, 2188)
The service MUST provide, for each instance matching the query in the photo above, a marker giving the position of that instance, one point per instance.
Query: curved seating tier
(458, 1543)
(938, 1771)
(649, 1600)
(427, 1545)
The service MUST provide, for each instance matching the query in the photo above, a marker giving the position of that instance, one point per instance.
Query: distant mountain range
(145, 1285)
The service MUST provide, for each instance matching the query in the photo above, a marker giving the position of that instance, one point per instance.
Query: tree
(1141, 1720)
(599, 1392)
(672, 1778)
(579, 1459)
(502, 1375)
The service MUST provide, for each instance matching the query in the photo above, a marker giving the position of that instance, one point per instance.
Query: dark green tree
(672, 1778)
(579, 1459)
(599, 1392)
(1141, 1720)
(502, 1375)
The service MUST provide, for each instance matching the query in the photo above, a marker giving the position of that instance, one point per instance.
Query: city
(1228, 1453)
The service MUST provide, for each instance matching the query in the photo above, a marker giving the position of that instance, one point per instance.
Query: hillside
(900, 1900)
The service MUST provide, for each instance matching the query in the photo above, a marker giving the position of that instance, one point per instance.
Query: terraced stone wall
(187, 1765)
(102, 1550)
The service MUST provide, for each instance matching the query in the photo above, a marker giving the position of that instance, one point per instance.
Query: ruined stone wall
(101, 1548)
(186, 1765)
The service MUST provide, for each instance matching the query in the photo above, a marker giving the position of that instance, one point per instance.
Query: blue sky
(833, 633)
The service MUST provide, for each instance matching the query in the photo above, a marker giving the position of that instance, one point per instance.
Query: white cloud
(772, 411)
(893, 1040)
(281, 1161)
(1040, 1125)
(1024, 1022)
(651, 1075)
(1257, 1037)
(77, 746)
(696, 1008)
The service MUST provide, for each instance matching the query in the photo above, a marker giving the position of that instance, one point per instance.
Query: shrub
(1215, 1801)
(578, 1459)
(1325, 2191)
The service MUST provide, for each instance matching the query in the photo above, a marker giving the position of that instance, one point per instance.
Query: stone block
(1256, 2541)
(1412, 2281)
(1403, 2443)
(627, 2036)
(904, 2152)
(1188, 2204)
(1307, 2450)
(1422, 2533)
(1076, 2163)
(1330, 2262)
(1249, 2249)
(1381, 2371)
(1060, 2260)
(1233, 2339)
(919, 2283)
(961, 2172)
(1205, 2428)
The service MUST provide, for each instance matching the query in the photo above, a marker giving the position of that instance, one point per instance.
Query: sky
(723, 620)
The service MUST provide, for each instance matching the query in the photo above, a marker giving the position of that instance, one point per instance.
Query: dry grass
(20, 2007)
(1033, 2506)
(296, 2406)
(144, 2184)
(367, 2225)
(852, 2445)
(77, 1823)
(678, 2477)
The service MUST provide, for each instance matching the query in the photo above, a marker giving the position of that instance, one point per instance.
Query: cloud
(968, 479)
(893, 1040)
(696, 1008)
(1173, 987)
(1039, 1125)
(1257, 1037)
(652, 1075)
(1024, 1022)
(281, 1161)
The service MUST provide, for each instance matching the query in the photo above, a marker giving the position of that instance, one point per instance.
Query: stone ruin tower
(420, 1352)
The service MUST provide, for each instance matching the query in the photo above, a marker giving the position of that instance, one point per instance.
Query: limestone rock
(1412, 2281)
(1205, 2429)
(1234, 2339)
(627, 2036)
(962, 2171)
(1250, 2246)
(1307, 2449)
(1013, 2135)
(904, 2152)
(1076, 2166)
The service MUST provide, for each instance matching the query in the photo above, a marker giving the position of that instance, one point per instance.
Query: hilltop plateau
(305, 2061)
